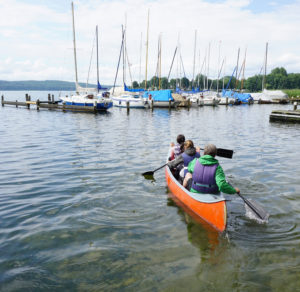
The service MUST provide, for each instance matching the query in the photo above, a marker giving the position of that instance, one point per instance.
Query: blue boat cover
(242, 97)
(133, 90)
(159, 95)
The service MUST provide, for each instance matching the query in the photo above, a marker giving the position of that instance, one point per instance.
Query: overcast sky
(36, 41)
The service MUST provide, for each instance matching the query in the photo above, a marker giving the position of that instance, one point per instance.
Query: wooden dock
(50, 104)
(288, 116)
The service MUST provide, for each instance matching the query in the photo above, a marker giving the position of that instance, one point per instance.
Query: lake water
(77, 215)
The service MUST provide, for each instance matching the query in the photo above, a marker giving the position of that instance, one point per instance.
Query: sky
(36, 38)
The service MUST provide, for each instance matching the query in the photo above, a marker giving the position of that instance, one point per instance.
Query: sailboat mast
(74, 46)
(159, 83)
(224, 73)
(243, 75)
(237, 67)
(265, 72)
(218, 67)
(140, 58)
(195, 44)
(97, 59)
(208, 57)
(147, 51)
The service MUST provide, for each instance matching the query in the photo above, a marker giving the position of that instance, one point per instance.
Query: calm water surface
(77, 215)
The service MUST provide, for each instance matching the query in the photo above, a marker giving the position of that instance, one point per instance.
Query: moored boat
(130, 100)
(209, 207)
(98, 98)
(160, 98)
(88, 100)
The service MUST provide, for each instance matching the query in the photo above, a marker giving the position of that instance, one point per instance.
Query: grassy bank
(292, 93)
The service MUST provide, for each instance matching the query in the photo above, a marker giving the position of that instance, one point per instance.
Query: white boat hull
(129, 101)
(88, 100)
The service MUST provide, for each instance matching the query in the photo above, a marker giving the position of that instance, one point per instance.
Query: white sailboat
(130, 100)
(125, 97)
(87, 97)
(269, 96)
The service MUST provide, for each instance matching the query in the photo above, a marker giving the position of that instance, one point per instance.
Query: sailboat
(269, 96)
(238, 96)
(88, 97)
(162, 97)
(127, 98)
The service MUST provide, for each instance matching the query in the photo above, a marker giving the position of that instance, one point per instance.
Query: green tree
(154, 82)
(185, 83)
(280, 71)
(164, 83)
(254, 83)
(135, 84)
(173, 83)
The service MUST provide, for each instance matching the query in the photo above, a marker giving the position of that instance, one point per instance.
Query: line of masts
(205, 64)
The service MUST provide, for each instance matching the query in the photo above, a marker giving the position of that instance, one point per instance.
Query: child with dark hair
(177, 149)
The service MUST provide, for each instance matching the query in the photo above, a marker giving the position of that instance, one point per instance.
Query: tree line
(277, 79)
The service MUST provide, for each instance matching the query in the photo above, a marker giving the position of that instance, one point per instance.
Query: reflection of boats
(88, 97)
(210, 207)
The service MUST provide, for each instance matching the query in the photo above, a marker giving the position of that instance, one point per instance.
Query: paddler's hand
(172, 144)
(237, 190)
(198, 149)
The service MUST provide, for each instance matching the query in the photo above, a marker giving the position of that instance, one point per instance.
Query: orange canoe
(210, 207)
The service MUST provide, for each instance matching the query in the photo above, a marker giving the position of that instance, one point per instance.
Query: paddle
(149, 173)
(258, 210)
(223, 152)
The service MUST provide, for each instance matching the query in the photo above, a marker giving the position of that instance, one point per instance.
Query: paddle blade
(224, 153)
(256, 212)
(148, 173)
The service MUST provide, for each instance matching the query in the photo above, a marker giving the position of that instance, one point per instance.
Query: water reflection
(201, 234)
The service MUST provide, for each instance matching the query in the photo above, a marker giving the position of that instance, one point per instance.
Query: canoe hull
(211, 208)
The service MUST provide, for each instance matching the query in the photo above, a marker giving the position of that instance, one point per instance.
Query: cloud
(42, 35)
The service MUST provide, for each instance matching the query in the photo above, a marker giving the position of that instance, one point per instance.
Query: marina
(158, 153)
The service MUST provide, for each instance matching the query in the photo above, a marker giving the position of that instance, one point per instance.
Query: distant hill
(50, 85)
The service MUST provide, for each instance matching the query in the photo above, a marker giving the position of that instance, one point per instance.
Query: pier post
(189, 103)
(295, 105)
(127, 106)
(52, 98)
(95, 106)
(38, 104)
(28, 98)
(170, 104)
(226, 100)
(16, 103)
(2, 100)
(49, 98)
